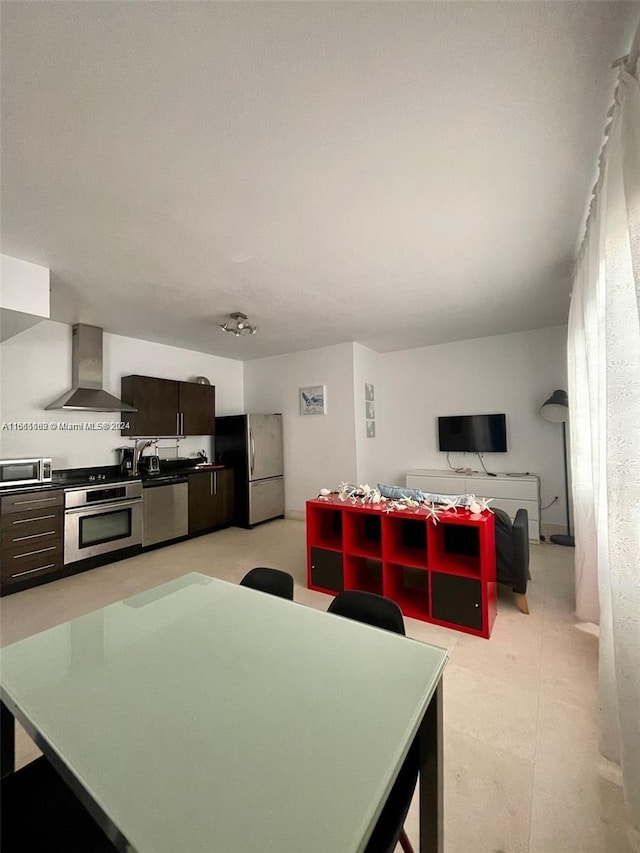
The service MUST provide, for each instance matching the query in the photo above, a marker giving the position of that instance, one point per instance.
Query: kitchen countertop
(166, 478)
(106, 475)
(208, 467)
(34, 487)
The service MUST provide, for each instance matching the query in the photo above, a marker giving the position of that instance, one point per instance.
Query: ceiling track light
(238, 323)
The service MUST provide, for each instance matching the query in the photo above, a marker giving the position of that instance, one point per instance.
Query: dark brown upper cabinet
(197, 408)
(168, 408)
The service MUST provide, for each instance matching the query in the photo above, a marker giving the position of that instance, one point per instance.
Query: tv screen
(473, 433)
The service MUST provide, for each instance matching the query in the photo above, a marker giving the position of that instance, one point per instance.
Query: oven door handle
(91, 510)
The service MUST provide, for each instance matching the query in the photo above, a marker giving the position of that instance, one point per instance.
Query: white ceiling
(398, 174)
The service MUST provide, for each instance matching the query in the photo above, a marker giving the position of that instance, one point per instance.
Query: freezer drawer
(264, 440)
(266, 499)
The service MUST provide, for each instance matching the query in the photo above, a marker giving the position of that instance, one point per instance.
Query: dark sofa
(512, 553)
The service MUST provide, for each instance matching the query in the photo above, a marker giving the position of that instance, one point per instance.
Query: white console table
(507, 493)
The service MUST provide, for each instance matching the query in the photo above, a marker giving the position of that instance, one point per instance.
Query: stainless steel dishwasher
(166, 509)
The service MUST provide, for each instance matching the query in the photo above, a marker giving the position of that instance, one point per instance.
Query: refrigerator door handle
(253, 452)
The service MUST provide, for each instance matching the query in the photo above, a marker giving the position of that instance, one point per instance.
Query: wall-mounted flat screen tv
(473, 433)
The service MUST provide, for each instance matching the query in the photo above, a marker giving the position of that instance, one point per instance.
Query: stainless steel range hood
(87, 393)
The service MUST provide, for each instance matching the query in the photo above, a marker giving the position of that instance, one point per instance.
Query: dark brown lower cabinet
(32, 527)
(210, 500)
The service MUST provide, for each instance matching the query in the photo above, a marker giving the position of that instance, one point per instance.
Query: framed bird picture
(313, 400)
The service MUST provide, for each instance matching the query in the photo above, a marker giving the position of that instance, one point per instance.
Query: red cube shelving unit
(443, 573)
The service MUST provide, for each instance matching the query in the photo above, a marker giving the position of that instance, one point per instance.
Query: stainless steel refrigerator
(252, 446)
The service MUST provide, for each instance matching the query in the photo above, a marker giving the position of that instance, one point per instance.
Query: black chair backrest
(370, 608)
(273, 581)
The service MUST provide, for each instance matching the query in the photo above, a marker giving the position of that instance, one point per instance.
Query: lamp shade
(556, 408)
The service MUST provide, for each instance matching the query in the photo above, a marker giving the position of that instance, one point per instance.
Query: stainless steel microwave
(25, 472)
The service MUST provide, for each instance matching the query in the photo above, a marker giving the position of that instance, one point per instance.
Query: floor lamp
(556, 410)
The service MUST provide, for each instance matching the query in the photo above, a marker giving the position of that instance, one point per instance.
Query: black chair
(273, 581)
(384, 613)
(41, 813)
(512, 553)
(368, 607)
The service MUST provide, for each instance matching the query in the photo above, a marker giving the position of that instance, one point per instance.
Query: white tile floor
(522, 768)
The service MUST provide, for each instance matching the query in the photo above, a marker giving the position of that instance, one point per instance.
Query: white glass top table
(205, 716)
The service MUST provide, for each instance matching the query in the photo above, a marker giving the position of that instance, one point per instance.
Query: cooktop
(87, 476)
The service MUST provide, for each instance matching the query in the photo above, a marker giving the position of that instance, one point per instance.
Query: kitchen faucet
(137, 453)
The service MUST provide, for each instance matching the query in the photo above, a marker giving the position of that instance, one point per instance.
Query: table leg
(431, 777)
(7, 741)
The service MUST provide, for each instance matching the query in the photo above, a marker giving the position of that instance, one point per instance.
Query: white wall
(319, 450)
(508, 373)
(366, 369)
(24, 286)
(36, 368)
(24, 295)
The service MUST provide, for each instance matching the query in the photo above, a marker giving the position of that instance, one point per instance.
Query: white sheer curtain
(604, 400)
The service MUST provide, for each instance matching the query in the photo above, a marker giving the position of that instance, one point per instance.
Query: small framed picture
(313, 400)
(369, 392)
(371, 409)
(371, 429)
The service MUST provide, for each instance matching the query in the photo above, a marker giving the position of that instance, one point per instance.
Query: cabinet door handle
(31, 571)
(33, 536)
(38, 501)
(34, 518)
(177, 423)
(213, 487)
(31, 553)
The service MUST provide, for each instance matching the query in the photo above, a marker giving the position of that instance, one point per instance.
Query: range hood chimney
(87, 394)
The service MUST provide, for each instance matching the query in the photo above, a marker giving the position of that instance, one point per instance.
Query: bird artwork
(312, 400)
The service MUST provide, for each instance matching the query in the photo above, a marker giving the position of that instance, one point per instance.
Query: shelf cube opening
(407, 540)
(455, 548)
(414, 534)
(408, 587)
(363, 534)
(363, 573)
(325, 527)
(372, 528)
(414, 579)
(461, 539)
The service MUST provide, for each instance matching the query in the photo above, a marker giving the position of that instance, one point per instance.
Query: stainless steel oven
(25, 472)
(101, 519)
